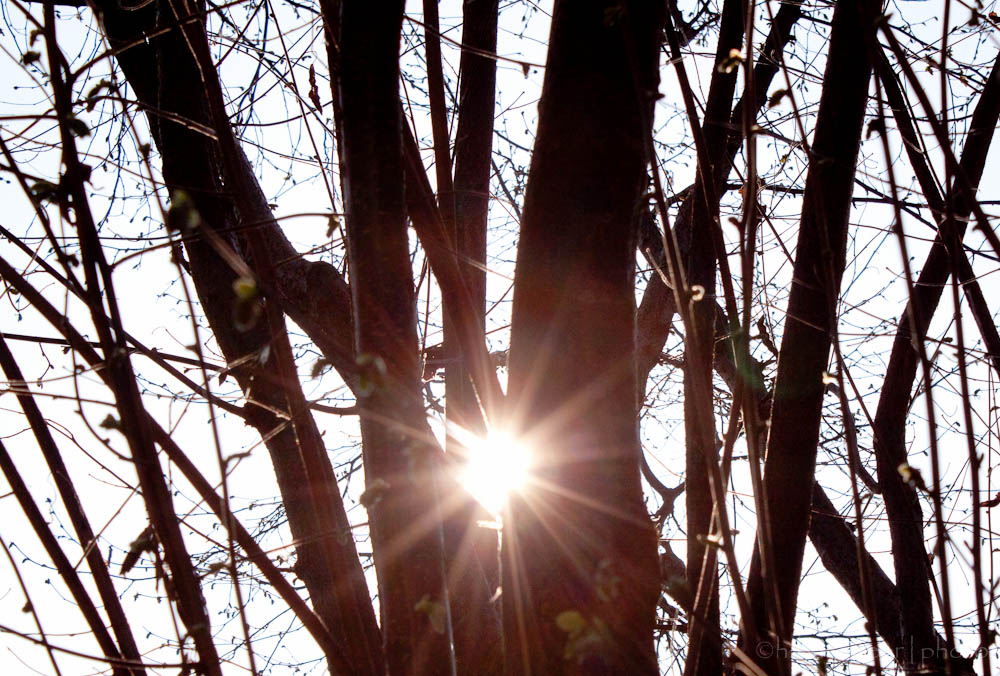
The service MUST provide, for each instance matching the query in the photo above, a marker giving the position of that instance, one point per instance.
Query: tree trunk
(580, 571)
(805, 347)
(162, 73)
(399, 453)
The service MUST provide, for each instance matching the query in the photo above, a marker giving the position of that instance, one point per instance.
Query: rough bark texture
(579, 553)
(805, 346)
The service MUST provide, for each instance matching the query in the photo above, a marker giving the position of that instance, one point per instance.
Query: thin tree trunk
(255, 554)
(805, 347)
(901, 501)
(66, 570)
(81, 525)
(162, 73)
(580, 571)
(399, 454)
(657, 307)
(99, 287)
(705, 655)
(473, 552)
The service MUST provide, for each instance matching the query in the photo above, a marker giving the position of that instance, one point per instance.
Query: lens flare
(497, 465)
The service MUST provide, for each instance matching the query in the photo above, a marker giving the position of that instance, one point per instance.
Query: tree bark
(162, 73)
(580, 571)
(808, 333)
(906, 523)
(473, 552)
(705, 656)
(399, 454)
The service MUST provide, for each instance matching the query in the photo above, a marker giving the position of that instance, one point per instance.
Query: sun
(497, 465)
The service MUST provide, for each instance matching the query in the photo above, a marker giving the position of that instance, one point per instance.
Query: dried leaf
(332, 225)
(731, 62)
(776, 97)
(992, 502)
(375, 491)
(111, 423)
(321, 366)
(313, 89)
(912, 476)
(78, 127)
(146, 542)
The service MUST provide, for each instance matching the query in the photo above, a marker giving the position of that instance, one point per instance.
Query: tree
(764, 369)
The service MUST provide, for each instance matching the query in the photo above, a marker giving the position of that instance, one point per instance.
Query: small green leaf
(245, 288)
(182, 214)
(436, 613)
(376, 491)
(571, 621)
(372, 373)
(612, 15)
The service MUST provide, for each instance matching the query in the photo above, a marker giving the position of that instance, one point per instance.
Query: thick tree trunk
(805, 347)
(580, 571)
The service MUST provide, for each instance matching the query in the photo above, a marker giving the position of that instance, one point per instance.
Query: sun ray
(495, 465)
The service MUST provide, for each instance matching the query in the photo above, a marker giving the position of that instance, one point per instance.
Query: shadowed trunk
(705, 654)
(906, 522)
(805, 346)
(579, 553)
(473, 552)
(162, 73)
(401, 460)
